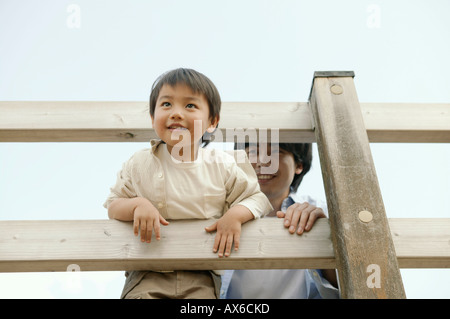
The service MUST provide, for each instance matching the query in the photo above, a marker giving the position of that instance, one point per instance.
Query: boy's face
(276, 185)
(181, 114)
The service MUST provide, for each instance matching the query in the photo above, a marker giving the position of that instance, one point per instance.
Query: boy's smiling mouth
(175, 126)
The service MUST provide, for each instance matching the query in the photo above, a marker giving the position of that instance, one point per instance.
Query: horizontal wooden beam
(96, 121)
(105, 245)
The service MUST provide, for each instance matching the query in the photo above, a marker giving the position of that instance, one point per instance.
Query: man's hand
(300, 217)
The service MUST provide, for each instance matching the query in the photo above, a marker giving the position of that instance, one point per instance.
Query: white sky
(254, 51)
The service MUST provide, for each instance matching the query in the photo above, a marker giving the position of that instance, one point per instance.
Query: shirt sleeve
(314, 276)
(226, 278)
(243, 188)
(124, 186)
(325, 289)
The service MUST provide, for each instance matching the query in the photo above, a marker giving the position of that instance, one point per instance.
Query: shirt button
(160, 205)
(160, 175)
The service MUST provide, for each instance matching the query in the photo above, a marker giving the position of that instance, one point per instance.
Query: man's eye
(275, 151)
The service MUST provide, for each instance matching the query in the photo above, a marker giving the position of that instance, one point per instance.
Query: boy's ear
(299, 168)
(212, 127)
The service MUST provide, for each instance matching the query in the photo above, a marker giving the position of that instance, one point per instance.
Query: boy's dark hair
(197, 82)
(302, 153)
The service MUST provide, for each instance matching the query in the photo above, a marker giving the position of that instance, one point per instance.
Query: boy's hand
(229, 229)
(300, 217)
(146, 218)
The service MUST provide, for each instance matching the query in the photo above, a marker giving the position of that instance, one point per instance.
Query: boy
(173, 180)
(294, 161)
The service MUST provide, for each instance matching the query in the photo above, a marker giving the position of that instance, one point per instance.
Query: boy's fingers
(148, 233)
(163, 221)
(216, 243)
(229, 244)
(136, 227)
(222, 245)
(211, 228)
(144, 231)
(237, 239)
(157, 228)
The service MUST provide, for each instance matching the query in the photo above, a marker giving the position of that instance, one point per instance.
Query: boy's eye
(166, 104)
(190, 106)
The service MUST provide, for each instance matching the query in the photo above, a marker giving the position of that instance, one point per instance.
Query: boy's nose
(176, 114)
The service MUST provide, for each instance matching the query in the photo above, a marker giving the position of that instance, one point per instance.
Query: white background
(253, 51)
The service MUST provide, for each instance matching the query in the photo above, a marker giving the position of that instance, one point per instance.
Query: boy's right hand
(146, 218)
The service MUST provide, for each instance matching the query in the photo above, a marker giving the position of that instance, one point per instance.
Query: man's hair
(302, 153)
(197, 82)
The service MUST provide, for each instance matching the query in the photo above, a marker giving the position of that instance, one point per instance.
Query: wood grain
(351, 186)
(103, 245)
(112, 121)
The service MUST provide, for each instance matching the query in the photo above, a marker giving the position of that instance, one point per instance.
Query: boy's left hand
(228, 231)
(301, 217)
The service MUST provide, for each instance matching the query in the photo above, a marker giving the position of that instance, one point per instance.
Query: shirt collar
(155, 143)
(288, 201)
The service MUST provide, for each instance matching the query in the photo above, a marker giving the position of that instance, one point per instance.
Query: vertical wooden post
(364, 250)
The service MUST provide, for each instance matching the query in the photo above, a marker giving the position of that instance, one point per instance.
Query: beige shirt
(203, 189)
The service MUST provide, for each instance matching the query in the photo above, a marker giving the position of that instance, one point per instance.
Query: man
(279, 185)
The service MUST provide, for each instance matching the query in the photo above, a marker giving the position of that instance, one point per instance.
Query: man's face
(274, 185)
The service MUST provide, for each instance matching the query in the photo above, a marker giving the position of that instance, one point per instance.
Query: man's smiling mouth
(265, 177)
